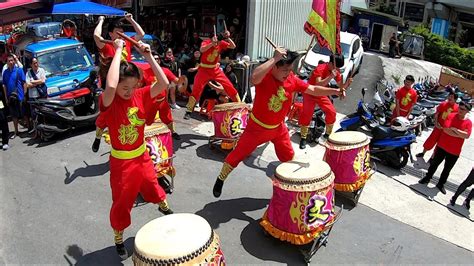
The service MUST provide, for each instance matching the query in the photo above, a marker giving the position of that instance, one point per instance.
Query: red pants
(127, 179)
(164, 110)
(204, 75)
(255, 135)
(309, 102)
(432, 139)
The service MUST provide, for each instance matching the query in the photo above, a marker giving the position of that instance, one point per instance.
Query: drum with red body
(348, 155)
(302, 204)
(230, 120)
(159, 144)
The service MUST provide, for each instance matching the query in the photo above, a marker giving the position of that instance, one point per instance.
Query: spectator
(394, 49)
(13, 79)
(35, 84)
(195, 42)
(405, 98)
(464, 185)
(192, 66)
(16, 62)
(4, 123)
(442, 113)
(229, 72)
(169, 61)
(457, 129)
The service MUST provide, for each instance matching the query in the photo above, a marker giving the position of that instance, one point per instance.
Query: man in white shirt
(35, 79)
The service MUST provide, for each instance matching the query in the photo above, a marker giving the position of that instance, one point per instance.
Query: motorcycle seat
(426, 105)
(381, 132)
(62, 103)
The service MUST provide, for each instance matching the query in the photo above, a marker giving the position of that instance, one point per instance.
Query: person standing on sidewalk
(464, 185)
(442, 113)
(405, 98)
(13, 80)
(458, 128)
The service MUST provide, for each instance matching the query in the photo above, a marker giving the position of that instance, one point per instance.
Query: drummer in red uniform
(124, 108)
(275, 84)
(161, 104)
(442, 113)
(322, 75)
(405, 98)
(107, 52)
(210, 70)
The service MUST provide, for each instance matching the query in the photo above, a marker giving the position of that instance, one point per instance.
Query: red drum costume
(406, 97)
(209, 70)
(131, 169)
(309, 102)
(442, 113)
(273, 99)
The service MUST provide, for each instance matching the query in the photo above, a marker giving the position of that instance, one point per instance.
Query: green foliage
(396, 78)
(445, 52)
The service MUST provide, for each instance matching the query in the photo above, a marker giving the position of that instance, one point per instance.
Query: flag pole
(306, 54)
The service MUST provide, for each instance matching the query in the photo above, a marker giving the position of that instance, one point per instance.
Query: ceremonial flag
(324, 22)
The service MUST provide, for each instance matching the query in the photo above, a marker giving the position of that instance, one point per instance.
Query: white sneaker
(175, 106)
(5, 147)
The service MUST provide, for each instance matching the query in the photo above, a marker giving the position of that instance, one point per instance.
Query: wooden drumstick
(225, 26)
(179, 72)
(133, 41)
(273, 44)
(215, 32)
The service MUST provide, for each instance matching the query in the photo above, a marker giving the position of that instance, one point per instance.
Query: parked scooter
(77, 108)
(390, 145)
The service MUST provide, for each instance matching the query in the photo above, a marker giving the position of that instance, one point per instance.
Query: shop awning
(80, 8)
(393, 18)
(19, 10)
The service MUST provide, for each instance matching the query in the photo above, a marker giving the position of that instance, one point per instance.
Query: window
(414, 12)
(355, 47)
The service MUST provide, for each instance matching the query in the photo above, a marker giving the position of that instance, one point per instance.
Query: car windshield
(325, 51)
(60, 62)
(136, 56)
(345, 49)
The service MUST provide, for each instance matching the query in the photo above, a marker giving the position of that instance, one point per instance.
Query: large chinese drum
(177, 239)
(302, 203)
(230, 120)
(159, 145)
(348, 155)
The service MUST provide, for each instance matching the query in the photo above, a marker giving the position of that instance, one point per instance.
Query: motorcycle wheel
(46, 136)
(400, 160)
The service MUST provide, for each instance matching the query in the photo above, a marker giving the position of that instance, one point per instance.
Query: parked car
(352, 51)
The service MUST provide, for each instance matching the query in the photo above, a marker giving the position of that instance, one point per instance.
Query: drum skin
(177, 239)
(230, 120)
(300, 208)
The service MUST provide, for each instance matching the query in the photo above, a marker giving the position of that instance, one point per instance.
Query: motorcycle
(389, 146)
(74, 109)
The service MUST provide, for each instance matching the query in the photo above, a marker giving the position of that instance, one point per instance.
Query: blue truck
(72, 93)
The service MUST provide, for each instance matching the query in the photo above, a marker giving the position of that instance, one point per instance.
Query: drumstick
(179, 72)
(215, 32)
(225, 27)
(273, 44)
(133, 41)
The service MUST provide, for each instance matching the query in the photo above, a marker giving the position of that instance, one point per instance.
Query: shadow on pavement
(106, 256)
(87, 171)
(267, 248)
(460, 211)
(187, 141)
(223, 211)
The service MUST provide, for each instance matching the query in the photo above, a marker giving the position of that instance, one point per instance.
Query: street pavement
(56, 200)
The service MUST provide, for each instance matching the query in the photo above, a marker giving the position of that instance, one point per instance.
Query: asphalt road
(370, 72)
(56, 200)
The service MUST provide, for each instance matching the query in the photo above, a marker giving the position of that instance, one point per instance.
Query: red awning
(18, 10)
